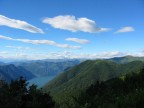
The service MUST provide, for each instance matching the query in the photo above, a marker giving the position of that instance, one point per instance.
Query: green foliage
(92, 84)
(114, 93)
(88, 72)
(68, 88)
(16, 95)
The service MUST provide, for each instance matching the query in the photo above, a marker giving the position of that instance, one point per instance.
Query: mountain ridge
(11, 72)
(47, 68)
(126, 59)
(90, 71)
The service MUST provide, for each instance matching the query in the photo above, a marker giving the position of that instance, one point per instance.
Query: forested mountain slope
(11, 72)
(90, 71)
(47, 67)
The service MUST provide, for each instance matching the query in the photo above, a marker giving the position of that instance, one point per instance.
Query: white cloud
(6, 38)
(5, 21)
(70, 23)
(125, 29)
(72, 55)
(21, 55)
(48, 42)
(109, 54)
(66, 55)
(45, 42)
(77, 40)
(19, 47)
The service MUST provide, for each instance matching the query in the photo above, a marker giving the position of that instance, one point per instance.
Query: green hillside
(114, 93)
(74, 81)
(88, 72)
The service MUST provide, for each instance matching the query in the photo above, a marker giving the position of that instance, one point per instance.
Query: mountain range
(126, 59)
(90, 71)
(48, 67)
(67, 80)
(11, 72)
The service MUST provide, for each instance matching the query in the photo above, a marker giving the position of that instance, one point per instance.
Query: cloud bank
(45, 42)
(66, 55)
(5, 21)
(71, 23)
(62, 55)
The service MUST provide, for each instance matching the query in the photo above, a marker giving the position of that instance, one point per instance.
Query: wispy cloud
(125, 29)
(109, 54)
(19, 47)
(62, 55)
(5, 37)
(18, 24)
(45, 42)
(71, 23)
(77, 40)
(67, 55)
(3, 52)
(72, 55)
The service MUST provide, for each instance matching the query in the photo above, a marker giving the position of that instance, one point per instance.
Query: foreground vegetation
(123, 92)
(17, 95)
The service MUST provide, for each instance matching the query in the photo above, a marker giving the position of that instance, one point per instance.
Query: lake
(40, 81)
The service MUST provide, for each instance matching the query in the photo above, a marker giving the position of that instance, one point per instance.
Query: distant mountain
(88, 72)
(126, 59)
(1, 63)
(61, 60)
(48, 67)
(11, 72)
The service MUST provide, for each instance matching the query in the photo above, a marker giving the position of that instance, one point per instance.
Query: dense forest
(77, 86)
(122, 92)
(18, 95)
(90, 71)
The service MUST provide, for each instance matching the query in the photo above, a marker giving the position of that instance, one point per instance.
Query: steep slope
(11, 72)
(47, 67)
(113, 93)
(4, 76)
(88, 73)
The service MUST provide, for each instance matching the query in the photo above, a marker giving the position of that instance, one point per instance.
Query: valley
(71, 54)
(40, 81)
(77, 78)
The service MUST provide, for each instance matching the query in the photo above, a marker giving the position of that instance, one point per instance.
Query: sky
(53, 29)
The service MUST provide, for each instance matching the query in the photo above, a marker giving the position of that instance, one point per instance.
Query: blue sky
(40, 29)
